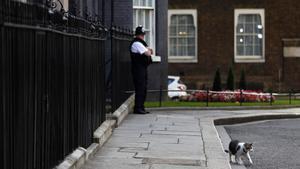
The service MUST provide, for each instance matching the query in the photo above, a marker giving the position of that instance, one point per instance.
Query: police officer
(140, 60)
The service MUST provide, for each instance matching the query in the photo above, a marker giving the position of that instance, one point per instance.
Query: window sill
(237, 60)
(143, 7)
(182, 60)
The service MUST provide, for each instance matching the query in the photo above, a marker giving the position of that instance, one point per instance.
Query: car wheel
(175, 98)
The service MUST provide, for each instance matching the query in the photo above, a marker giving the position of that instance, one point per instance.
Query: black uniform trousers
(140, 78)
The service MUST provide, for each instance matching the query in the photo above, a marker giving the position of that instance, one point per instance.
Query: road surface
(276, 142)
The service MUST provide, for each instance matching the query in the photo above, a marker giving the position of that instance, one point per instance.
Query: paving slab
(171, 139)
(154, 141)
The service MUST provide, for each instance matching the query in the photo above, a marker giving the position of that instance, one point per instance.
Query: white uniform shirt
(138, 47)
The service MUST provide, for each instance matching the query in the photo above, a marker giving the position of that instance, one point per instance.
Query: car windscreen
(170, 81)
(180, 82)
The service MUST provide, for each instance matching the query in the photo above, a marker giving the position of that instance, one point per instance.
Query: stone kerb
(77, 158)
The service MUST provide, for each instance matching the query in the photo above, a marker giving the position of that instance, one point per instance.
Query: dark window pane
(181, 51)
(191, 31)
(240, 50)
(191, 51)
(174, 20)
(172, 41)
(190, 19)
(182, 41)
(182, 20)
(191, 41)
(248, 40)
(249, 50)
(258, 41)
(249, 28)
(258, 50)
(241, 19)
(248, 18)
(173, 30)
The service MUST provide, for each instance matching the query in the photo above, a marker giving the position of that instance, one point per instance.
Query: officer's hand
(151, 50)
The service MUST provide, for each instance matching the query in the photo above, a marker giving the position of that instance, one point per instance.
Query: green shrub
(230, 80)
(243, 84)
(217, 81)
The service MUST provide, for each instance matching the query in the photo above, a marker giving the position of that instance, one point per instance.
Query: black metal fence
(52, 82)
(121, 67)
(209, 98)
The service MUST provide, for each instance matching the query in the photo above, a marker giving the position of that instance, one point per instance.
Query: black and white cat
(239, 150)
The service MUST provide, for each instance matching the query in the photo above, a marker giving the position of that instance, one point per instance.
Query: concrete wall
(216, 43)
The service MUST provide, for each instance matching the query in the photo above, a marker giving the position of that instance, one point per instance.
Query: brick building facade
(258, 36)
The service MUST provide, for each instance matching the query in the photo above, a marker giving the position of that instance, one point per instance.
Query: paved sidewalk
(169, 140)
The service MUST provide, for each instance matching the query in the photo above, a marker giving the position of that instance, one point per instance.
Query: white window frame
(183, 59)
(152, 43)
(249, 59)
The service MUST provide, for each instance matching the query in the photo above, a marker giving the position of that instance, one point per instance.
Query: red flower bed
(228, 96)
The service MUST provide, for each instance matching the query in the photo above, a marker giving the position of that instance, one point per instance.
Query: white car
(175, 87)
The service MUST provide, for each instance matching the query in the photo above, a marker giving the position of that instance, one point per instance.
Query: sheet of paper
(155, 58)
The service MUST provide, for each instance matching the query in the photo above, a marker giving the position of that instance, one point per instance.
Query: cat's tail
(226, 151)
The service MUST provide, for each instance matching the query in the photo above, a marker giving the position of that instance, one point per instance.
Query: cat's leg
(249, 158)
(230, 159)
(238, 159)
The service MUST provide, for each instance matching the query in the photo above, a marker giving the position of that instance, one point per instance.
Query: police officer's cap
(140, 30)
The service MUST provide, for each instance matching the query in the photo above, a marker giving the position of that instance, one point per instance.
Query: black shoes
(140, 112)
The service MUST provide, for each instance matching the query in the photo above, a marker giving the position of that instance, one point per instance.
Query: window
(143, 14)
(249, 35)
(182, 35)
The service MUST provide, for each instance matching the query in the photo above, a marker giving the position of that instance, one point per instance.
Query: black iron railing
(52, 82)
(41, 15)
(209, 98)
(121, 67)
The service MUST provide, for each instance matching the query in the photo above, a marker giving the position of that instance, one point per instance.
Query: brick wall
(216, 43)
